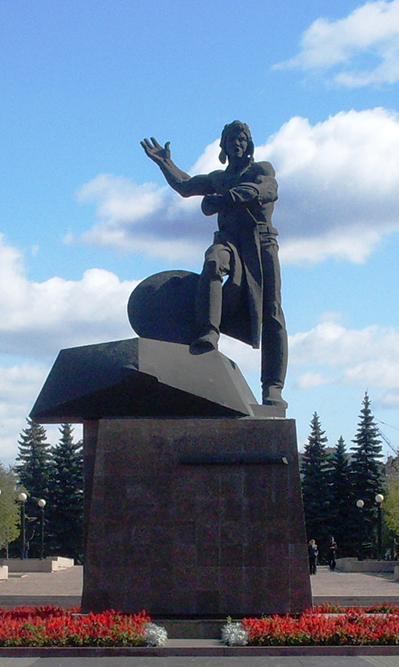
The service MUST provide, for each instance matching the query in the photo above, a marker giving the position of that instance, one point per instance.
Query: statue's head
(232, 130)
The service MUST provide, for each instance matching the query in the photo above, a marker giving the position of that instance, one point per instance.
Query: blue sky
(84, 214)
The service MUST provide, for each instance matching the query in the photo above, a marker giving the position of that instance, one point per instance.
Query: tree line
(50, 473)
(340, 488)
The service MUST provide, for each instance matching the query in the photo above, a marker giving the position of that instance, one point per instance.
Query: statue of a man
(245, 249)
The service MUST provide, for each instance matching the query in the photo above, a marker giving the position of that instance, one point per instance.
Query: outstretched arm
(183, 183)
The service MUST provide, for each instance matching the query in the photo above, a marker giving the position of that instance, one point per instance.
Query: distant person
(313, 553)
(332, 550)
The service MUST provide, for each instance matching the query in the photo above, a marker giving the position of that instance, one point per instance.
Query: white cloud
(339, 184)
(351, 46)
(333, 342)
(19, 387)
(311, 380)
(38, 319)
(354, 244)
(332, 355)
(17, 382)
(209, 160)
(121, 201)
(391, 399)
(145, 219)
(339, 194)
(41, 318)
(245, 356)
(365, 358)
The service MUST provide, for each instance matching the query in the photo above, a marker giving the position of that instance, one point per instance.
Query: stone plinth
(48, 564)
(367, 565)
(194, 517)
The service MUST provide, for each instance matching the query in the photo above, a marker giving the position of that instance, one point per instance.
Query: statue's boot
(208, 308)
(205, 343)
(274, 366)
(271, 395)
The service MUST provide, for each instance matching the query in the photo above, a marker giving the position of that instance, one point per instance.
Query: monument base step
(63, 601)
(48, 564)
(191, 628)
(355, 600)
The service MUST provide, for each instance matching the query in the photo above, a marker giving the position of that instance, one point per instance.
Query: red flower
(53, 626)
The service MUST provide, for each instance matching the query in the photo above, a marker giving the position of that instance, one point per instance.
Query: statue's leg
(208, 305)
(274, 333)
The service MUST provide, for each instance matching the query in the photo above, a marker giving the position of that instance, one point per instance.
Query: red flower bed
(328, 626)
(53, 626)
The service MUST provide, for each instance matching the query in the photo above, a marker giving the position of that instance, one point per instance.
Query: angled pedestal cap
(141, 377)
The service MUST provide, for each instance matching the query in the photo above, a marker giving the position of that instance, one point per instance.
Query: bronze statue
(244, 248)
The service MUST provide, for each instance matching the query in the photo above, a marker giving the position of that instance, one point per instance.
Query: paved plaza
(65, 587)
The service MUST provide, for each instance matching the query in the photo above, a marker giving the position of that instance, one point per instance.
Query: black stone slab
(141, 377)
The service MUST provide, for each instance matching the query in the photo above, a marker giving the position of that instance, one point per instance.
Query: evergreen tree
(316, 486)
(343, 509)
(9, 511)
(34, 473)
(367, 472)
(34, 457)
(64, 511)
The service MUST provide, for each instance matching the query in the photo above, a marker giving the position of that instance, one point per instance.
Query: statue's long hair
(234, 127)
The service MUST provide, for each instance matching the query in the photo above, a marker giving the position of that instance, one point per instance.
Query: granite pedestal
(196, 517)
(193, 505)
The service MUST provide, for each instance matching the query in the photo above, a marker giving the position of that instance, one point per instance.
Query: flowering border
(326, 625)
(56, 627)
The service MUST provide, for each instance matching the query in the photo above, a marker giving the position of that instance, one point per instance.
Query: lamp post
(42, 505)
(22, 499)
(379, 499)
(360, 505)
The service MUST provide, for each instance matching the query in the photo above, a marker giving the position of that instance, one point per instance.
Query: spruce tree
(34, 473)
(9, 510)
(65, 507)
(343, 509)
(34, 457)
(316, 486)
(367, 473)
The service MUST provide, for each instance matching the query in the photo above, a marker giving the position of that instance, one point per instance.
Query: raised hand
(155, 151)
